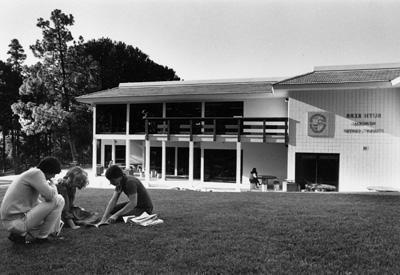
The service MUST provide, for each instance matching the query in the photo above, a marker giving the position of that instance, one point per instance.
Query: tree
(48, 104)
(9, 83)
(16, 59)
(68, 68)
(119, 63)
(17, 55)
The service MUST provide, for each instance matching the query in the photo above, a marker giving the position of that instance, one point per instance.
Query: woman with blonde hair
(73, 216)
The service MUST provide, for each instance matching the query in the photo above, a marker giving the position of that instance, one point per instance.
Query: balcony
(255, 129)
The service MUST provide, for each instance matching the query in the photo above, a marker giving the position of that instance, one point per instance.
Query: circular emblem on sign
(317, 123)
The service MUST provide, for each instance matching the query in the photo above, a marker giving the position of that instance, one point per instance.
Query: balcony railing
(261, 127)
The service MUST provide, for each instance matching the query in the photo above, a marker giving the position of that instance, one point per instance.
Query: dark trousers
(135, 211)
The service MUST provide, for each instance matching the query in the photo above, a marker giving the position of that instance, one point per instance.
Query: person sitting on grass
(138, 198)
(254, 178)
(73, 216)
(22, 212)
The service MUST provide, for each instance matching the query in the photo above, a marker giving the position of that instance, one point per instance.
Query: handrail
(239, 126)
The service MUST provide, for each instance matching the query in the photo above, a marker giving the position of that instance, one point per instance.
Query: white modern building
(335, 125)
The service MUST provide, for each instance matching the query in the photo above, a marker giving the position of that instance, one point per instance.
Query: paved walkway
(103, 183)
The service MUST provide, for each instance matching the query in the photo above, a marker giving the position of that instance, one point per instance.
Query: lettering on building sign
(364, 123)
(364, 115)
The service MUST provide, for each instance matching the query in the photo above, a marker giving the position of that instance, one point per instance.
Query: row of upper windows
(112, 118)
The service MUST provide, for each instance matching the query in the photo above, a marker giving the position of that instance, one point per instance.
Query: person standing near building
(138, 198)
(22, 212)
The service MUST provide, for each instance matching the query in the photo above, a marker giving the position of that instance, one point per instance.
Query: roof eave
(330, 86)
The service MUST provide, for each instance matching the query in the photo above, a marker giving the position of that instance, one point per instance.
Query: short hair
(77, 175)
(114, 172)
(49, 165)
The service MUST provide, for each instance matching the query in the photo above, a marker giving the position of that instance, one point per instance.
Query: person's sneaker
(18, 239)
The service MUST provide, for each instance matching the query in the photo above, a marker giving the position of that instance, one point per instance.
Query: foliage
(9, 83)
(67, 69)
(48, 104)
(17, 55)
(227, 233)
(120, 63)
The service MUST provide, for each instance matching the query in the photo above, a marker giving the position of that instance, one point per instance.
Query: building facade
(344, 126)
(336, 126)
(201, 132)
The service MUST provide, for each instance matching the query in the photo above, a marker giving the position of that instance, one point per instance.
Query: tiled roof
(183, 88)
(342, 76)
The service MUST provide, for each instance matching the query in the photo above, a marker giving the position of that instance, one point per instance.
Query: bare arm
(127, 208)
(111, 204)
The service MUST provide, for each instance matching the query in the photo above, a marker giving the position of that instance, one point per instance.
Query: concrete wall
(273, 107)
(369, 155)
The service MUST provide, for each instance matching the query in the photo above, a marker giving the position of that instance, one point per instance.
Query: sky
(224, 39)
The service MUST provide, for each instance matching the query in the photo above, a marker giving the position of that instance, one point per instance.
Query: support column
(163, 160)
(127, 154)
(238, 164)
(191, 160)
(202, 165)
(113, 150)
(94, 157)
(94, 144)
(127, 141)
(102, 154)
(147, 163)
(176, 162)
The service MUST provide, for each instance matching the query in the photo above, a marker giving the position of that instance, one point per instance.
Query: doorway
(317, 168)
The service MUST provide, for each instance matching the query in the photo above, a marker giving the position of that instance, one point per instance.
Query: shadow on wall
(365, 111)
(293, 124)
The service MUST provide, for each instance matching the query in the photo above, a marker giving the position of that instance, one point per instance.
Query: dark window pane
(111, 119)
(183, 109)
(120, 154)
(136, 123)
(155, 159)
(220, 165)
(224, 109)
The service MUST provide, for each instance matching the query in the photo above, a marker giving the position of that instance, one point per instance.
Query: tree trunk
(3, 153)
(72, 145)
(13, 148)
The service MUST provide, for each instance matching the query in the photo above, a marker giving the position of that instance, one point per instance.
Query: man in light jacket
(22, 212)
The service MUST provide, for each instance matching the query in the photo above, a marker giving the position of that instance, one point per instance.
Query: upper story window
(111, 119)
(224, 109)
(137, 113)
(183, 109)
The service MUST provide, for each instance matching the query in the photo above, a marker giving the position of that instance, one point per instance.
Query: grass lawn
(227, 233)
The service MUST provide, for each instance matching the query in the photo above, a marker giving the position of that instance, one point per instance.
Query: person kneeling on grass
(73, 216)
(139, 199)
(22, 211)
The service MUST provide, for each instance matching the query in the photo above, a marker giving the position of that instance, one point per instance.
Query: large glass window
(111, 119)
(184, 109)
(137, 112)
(220, 165)
(224, 109)
(120, 155)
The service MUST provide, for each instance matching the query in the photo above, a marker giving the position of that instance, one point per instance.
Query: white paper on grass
(144, 219)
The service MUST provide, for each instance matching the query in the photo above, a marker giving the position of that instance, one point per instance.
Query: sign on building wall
(321, 124)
